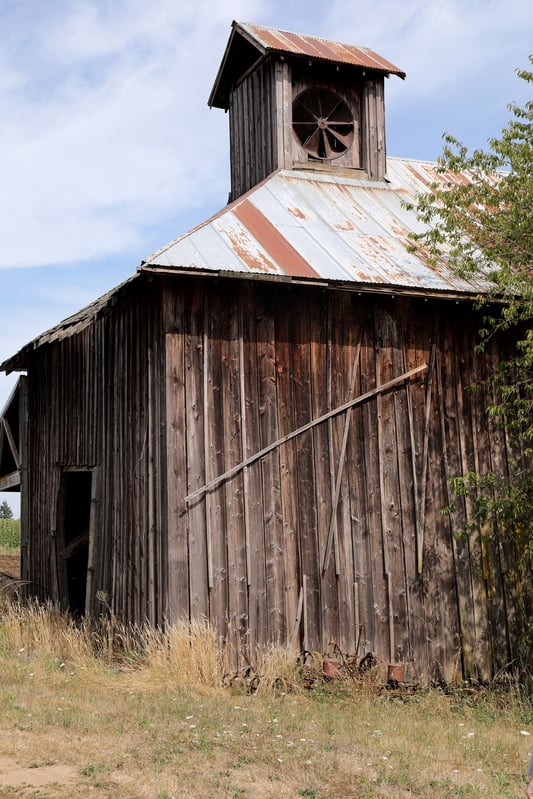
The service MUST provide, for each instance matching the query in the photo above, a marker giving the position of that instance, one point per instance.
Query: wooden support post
(332, 531)
(207, 458)
(304, 591)
(298, 620)
(421, 514)
(12, 442)
(246, 475)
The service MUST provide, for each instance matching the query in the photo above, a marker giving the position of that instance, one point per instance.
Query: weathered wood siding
(248, 363)
(254, 148)
(96, 403)
(185, 378)
(266, 96)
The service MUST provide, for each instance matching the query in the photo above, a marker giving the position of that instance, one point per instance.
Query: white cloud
(441, 43)
(106, 127)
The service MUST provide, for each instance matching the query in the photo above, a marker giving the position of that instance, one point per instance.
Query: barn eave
(301, 227)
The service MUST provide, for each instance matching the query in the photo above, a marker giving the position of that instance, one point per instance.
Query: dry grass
(144, 715)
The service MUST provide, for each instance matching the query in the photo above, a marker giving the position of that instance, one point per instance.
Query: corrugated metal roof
(303, 45)
(249, 43)
(321, 226)
(317, 227)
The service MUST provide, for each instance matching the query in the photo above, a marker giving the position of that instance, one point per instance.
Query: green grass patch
(9, 533)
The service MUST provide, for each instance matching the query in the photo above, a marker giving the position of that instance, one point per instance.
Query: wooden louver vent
(322, 123)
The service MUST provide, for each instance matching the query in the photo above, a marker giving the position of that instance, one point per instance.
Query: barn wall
(247, 364)
(95, 404)
(187, 378)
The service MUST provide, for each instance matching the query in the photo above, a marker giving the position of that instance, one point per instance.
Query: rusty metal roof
(299, 44)
(321, 226)
(304, 226)
(249, 43)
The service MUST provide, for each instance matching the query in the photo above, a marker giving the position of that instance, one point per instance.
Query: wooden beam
(357, 401)
(421, 515)
(75, 545)
(384, 542)
(10, 481)
(298, 620)
(12, 444)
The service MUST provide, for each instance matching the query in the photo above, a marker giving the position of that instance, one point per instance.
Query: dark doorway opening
(75, 499)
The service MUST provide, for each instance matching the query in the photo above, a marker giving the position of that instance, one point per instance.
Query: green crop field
(9, 533)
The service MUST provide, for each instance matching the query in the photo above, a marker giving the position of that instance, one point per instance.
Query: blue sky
(108, 149)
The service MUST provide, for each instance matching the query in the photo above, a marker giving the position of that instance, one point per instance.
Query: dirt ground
(36, 777)
(10, 564)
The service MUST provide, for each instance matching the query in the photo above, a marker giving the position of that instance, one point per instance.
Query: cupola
(299, 102)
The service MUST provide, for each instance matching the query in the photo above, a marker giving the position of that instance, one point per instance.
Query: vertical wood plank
(257, 609)
(451, 422)
(177, 546)
(271, 489)
(198, 587)
(219, 532)
(319, 330)
(356, 471)
(237, 593)
(288, 481)
(386, 366)
(416, 347)
(302, 404)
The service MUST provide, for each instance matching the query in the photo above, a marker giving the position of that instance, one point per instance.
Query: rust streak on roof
(303, 224)
(254, 261)
(283, 253)
(297, 212)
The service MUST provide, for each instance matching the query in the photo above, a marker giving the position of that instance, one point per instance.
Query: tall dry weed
(43, 631)
(183, 656)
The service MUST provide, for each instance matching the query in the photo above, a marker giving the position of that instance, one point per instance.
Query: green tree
(5, 511)
(483, 227)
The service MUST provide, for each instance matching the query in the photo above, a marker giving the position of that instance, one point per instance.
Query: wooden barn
(260, 426)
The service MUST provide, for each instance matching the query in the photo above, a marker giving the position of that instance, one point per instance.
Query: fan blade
(343, 138)
(312, 143)
(304, 131)
(340, 123)
(329, 146)
(322, 122)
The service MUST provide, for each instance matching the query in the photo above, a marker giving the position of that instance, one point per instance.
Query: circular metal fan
(322, 122)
